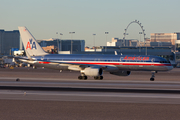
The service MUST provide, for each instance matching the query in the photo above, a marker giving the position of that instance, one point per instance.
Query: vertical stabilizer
(31, 46)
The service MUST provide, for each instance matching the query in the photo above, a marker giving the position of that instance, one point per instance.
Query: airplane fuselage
(122, 62)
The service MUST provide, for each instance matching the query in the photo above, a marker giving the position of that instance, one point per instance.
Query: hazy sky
(44, 18)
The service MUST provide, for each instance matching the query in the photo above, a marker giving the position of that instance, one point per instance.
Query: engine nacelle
(90, 71)
(121, 73)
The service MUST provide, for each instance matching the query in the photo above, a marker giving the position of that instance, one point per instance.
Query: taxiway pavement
(80, 105)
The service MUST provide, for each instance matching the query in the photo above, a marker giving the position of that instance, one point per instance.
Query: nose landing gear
(152, 77)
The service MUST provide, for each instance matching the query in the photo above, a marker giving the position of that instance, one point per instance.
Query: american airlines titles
(136, 58)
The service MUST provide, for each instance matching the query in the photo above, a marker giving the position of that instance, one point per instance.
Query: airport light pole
(175, 52)
(140, 41)
(61, 40)
(106, 39)
(145, 43)
(57, 43)
(71, 41)
(94, 41)
(140, 36)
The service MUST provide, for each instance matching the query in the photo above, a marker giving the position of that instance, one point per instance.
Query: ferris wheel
(137, 22)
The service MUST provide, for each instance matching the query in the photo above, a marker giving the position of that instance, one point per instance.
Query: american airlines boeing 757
(90, 65)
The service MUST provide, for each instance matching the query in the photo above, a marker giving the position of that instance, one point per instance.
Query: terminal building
(64, 45)
(128, 43)
(9, 40)
(122, 43)
(166, 39)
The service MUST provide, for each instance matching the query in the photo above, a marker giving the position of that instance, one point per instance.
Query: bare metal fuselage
(122, 62)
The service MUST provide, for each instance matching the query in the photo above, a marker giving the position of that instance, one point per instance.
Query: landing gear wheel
(82, 77)
(98, 77)
(101, 77)
(151, 79)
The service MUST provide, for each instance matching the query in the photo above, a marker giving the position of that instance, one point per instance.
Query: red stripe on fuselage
(44, 62)
(113, 63)
(127, 63)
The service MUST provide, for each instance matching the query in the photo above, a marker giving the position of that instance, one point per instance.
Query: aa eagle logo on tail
(31, 45)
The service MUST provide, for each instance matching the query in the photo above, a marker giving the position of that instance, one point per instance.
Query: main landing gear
(98, 77)
(152, 77)
(82, 77)
(85, 77)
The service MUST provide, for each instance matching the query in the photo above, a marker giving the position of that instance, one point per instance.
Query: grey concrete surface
(65, 110)
(28, 105)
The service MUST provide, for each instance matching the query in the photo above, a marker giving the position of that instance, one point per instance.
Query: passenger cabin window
(164, 62)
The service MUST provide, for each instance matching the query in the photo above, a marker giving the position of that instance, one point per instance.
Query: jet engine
(121, 73)
(90, 71)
